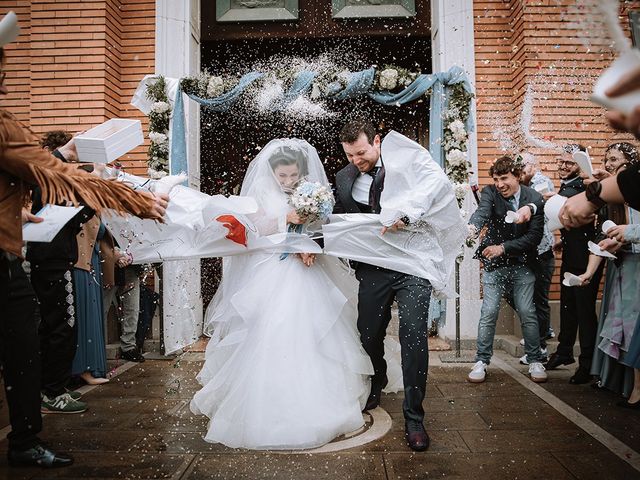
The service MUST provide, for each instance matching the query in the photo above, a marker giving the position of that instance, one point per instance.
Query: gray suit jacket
(520, 241)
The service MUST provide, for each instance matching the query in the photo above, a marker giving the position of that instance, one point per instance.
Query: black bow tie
(373, 172)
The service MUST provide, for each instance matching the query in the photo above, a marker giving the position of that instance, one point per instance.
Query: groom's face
(363, 154)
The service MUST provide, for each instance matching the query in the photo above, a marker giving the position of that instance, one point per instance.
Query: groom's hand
(396, 226)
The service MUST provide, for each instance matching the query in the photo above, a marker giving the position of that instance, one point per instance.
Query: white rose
(456, 157)
(160, 107)
(215, 87)
(388, 79)
(158, 138)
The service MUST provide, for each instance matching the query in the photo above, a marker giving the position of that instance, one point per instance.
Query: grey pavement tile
(129, 403)
(257, 466)
(122, 466)
(603, 466)
(167, 423)
(535, 419)
(525, 403)
(180, 443)
(94, 418)
(551, 440)
(106, 441)
(442, 375)
(474, 465)
(465, 389)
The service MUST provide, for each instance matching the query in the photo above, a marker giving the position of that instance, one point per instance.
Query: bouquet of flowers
(312, 201)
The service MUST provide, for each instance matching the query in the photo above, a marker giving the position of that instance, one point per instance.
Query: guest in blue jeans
(506, 251)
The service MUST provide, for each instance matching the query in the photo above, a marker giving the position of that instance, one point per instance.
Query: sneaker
(544, 353)
(74, 394)
(132, 355)
(62, 404)
(522, 342)
(478, 372)
(537, 373)
(550, 334)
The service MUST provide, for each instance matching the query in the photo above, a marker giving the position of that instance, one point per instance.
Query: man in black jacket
(577, 304)
(506, 251)
(359, 186)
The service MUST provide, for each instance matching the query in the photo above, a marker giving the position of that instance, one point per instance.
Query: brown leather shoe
(417, 437)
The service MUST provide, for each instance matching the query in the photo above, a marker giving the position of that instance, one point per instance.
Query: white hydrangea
(456, 158)
(460, 190)
(458, 130)
(158, 138)
(215, 87)
(160, 107)
(388, 79)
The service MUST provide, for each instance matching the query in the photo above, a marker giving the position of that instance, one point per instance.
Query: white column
(452, 43)
(178, 55)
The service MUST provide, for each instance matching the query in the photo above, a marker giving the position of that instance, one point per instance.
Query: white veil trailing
(261, 184)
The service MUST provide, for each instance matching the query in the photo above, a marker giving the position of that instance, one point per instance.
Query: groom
(358, 189)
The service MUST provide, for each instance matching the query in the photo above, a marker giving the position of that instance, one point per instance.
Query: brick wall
(556, 46)
(77, 64)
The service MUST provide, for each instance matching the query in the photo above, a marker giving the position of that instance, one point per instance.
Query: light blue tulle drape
(359, 83)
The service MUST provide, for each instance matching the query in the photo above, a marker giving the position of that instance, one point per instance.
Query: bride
(284, 368)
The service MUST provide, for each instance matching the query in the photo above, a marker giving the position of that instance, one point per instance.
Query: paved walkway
(139, 426)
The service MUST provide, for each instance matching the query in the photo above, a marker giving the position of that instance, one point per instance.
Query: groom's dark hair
(351, 132)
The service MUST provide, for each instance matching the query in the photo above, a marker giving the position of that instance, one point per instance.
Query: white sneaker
(544, 353)
(478, 372)
(522, 342)
(537, 373)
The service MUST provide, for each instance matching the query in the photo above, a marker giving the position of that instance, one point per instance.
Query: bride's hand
(293, 217)
(308, 258)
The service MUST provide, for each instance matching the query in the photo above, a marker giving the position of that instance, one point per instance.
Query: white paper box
(109, 141)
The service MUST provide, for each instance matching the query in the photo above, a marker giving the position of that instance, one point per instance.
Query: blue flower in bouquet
(312, 201)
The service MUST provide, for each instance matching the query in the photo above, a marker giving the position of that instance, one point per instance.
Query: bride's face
(287, 175)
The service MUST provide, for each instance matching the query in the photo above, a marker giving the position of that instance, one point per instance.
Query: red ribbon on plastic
(237, 231)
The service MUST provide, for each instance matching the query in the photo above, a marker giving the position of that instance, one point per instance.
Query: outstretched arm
(23, 158)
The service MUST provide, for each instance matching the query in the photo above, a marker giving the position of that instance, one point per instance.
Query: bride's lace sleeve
(267, 225)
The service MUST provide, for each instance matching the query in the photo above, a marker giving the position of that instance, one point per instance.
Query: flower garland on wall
(159, 119)
(327, 83)
(457, 164)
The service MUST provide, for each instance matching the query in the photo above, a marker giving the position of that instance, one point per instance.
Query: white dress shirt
(362, 185)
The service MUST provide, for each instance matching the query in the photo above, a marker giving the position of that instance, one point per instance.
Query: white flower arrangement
(457, 158)
(215, 86)
(458, 130)
(158, 138)
(460, 190)
(160, 107)
(388, 79)
(159, 118)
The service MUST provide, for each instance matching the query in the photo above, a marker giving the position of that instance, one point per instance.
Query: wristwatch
(593, 194)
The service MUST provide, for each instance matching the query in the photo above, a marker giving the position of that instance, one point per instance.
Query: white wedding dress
(284, 368)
